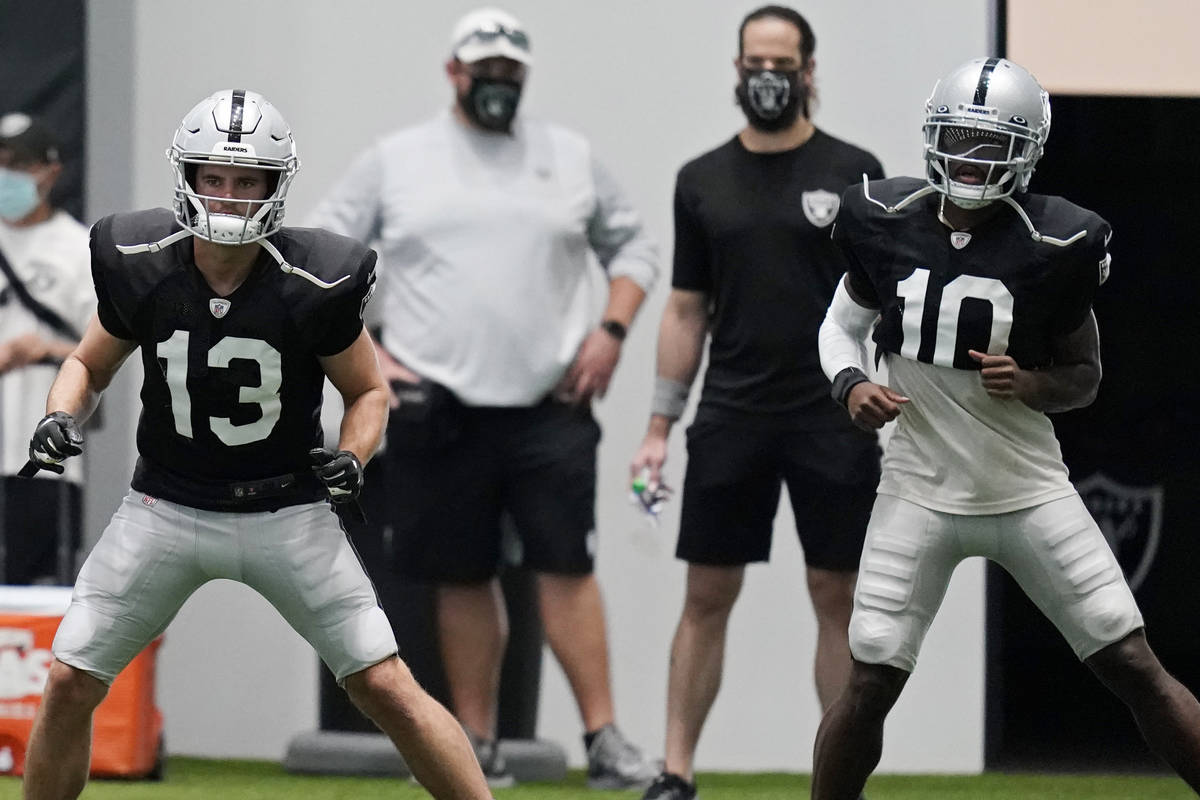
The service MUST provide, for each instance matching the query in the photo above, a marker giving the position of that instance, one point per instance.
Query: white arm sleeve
(843, 335)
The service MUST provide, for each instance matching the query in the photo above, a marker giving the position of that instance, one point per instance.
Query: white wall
(651, 84)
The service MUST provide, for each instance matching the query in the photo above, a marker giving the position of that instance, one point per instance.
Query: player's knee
(1109, 618)
(387, 683)
(68, 688)
(877, 639)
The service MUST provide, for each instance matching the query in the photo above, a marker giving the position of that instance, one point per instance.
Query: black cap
(27, 139)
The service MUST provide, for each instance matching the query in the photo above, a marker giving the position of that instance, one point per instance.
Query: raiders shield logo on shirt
(820, 206)
(1130, 517)
(218, 307)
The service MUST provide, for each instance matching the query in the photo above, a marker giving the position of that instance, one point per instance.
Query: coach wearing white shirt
(46, 299)
(494, 339)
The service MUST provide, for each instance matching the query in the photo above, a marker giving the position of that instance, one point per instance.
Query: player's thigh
(550, 488)
(831, 478)
(908, 557)
(132, 584)
(445, 508)
(1059, 557)
(730, 495)
(300, 559)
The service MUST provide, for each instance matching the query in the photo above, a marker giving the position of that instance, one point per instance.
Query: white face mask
(18, 194)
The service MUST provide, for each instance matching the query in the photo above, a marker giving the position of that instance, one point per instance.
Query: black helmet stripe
(235, 115)
(985, 77)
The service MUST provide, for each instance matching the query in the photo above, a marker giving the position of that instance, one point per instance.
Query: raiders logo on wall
(1130, 518)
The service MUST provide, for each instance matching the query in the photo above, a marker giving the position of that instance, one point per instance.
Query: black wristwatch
(614, 329)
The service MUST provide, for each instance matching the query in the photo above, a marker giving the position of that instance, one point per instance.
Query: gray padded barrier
(343, 753)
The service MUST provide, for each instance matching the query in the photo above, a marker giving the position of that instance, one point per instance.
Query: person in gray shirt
(497, 332)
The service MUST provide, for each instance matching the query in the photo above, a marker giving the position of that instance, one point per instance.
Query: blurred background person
(45, 302)
(755, 268)
(495, 346)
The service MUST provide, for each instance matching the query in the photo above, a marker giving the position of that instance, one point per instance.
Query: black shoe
(669, 786)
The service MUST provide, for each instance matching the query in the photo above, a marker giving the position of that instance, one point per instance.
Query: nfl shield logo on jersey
(960, 239)
(820, 206)
(1130, 518)
(218, 307)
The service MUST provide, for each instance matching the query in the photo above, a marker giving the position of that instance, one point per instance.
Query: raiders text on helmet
(985, 126)
(238, 127)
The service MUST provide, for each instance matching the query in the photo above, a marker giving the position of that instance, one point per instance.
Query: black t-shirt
(752, 232)
(232, 386)
(997, 290)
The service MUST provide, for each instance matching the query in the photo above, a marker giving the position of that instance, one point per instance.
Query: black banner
(1134, 454)
(42, 57)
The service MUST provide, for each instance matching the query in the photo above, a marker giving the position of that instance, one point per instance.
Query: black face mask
(771, 100)
(492, 103)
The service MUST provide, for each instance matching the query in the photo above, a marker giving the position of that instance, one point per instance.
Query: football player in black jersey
(239, 321)
(980, 295)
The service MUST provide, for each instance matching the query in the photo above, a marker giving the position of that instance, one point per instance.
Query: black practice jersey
(752, 232)
(232, 387)
(996, 289)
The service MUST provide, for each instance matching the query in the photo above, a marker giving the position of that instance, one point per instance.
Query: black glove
(55, 439)
(341, 472)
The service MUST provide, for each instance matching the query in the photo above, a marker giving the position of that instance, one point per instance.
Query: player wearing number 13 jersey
(231, 381)
(980, 297)
(239, 321)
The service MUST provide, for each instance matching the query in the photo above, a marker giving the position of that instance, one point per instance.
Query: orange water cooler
(127, 728)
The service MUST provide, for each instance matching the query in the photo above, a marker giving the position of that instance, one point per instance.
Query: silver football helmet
(239, 127)
(985, 126)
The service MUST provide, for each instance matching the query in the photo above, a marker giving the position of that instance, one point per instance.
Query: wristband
(614, 329)
(670, 398)
(844, 381)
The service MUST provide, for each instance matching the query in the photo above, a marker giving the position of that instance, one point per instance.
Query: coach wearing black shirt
(755, 268)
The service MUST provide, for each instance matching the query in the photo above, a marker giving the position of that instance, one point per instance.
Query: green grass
(191, 779)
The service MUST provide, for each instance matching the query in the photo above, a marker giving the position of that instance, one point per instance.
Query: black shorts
(534, 466)
(732, 486)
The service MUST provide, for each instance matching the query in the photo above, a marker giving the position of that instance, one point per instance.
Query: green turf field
(192, 779)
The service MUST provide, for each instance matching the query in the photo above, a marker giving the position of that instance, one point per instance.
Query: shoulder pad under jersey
(127, 280)
(331, 279)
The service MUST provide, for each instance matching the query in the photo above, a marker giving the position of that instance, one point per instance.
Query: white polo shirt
(488, 247)
(52, 260)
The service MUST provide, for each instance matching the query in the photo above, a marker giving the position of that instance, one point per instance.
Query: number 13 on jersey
(266, 395)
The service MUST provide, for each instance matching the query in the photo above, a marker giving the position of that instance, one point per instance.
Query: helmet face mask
(238, 128)
(986, 124)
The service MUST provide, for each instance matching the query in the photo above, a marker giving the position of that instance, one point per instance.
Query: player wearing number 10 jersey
(240, 321)
(980, 295)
